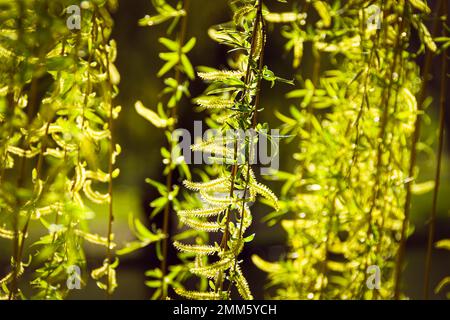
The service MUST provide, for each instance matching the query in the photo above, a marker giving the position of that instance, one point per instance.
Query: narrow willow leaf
(208, 185)
(420, 5)
(266, 193)
(97, 175)
(7, 279)
(189, 45)
(266, 266)
(242, 12)
(151, 116)
(235, 249)
(160, 18)
(298, 54)
(216, 34)
(144, 235)
(206, 226)
(283, 17)
(247, 216)
(47, 210)
(188, 69)
(242, 284)
(169, 44)
(219, 75)
(258, 47)
(322, 9)
(5, 53)
(67, 146)
(94, 238)
(95, 196)
(96, 274)
(196, 295)
(169, 65)
(424, 33)
(443, 244)
(136, 245)
(107, 269)
(410, 100)
(213, 102)
(336, 266)
(203, 212)
(442, 284)
(56, 153)
(210, 271)
(196, 249)
(422, 188)
(23, 153)
(6, 234)
(80, 178)
(98, 135)
(217, 201)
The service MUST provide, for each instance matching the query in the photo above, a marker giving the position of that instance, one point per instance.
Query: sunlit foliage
(57, 152)
(353, 117)
(355, 123)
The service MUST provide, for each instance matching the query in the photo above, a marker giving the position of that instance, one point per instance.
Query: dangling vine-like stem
(169, 178)
(437, 179)
(257, 27)
(412, 163)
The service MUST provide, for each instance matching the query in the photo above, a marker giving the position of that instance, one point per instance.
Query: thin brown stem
(109, 102)
(387, 95)
(257, 27)
(412, 163)
(169, 177)
(437, 179)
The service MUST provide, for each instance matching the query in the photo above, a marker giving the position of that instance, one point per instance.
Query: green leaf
(189, 45)
(422, 188)
(169, 44)
(250, 238)
(196, 295)
(187, 67)
(169, 65)
(151, 116)
(420, 5)
(443, 244)
(444, 282)
(162, 189)
(153, 283)
(322, 9)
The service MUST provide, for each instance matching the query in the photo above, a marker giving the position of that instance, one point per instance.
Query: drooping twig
(437, 179)
(412, 164)
(169, 177)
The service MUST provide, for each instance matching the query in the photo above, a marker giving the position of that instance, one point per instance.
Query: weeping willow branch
(169, 178)
(258, 27)
(109, 103)
(337, 219)
(437, 180)
(57, 131)
(259, 23)
(385, 119)
(166, 118)
(246, 34)
(16, 244)
(412, 163)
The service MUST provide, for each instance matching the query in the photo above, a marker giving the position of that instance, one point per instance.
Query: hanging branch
(177, 88)
(233, 99)
(386, 97)
(342, 206)
(442, 114)
(412, 161)
(171, 129)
